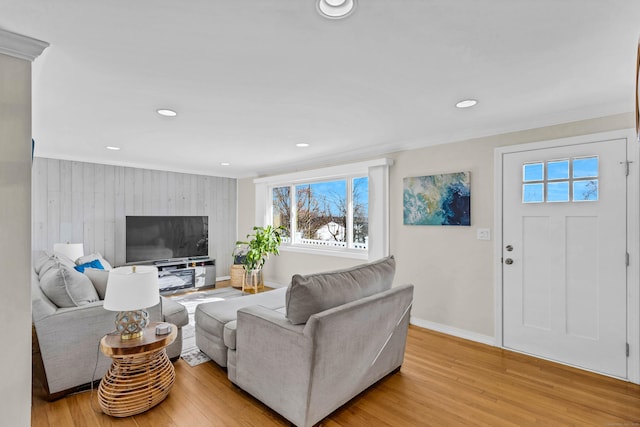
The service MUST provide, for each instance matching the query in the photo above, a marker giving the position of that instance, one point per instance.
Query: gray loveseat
(68, 337)
(308, 349)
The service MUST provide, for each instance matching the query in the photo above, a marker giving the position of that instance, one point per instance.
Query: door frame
(633, 235)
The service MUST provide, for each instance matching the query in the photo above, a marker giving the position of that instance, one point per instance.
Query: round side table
(141, 375)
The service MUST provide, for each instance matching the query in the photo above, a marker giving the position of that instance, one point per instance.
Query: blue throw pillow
(93, 264)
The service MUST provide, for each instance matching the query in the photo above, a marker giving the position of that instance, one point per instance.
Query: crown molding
(19, 46)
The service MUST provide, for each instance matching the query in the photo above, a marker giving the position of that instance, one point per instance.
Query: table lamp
(129, 291)
(73, 251)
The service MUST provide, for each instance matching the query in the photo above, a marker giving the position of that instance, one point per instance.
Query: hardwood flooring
(444, 381)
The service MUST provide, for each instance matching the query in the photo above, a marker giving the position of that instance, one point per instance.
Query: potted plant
(263, 242)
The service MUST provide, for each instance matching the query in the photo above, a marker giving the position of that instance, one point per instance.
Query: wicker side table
(140, 375)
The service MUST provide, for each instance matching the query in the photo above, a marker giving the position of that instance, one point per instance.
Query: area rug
(190, 353)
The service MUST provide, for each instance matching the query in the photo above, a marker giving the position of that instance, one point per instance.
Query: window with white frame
(330, 214)
(329, 210)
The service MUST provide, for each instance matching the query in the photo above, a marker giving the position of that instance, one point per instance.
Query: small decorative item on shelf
(264, 241)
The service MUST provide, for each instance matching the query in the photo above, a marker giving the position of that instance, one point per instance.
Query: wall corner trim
(21, 47)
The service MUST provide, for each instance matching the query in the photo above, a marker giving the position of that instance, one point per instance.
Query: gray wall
(87, 203)
(15, 232)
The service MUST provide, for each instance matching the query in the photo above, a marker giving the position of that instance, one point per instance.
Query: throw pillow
(66, 287)
(93, 264)
(91, 257)
(99, 279)
(307, 295)
(46, 260)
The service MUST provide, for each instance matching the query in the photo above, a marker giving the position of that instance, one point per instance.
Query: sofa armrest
(69, 340)
(174, 312)
(273, 360)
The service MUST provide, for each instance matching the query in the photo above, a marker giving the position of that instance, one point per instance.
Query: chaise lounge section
(310, 348)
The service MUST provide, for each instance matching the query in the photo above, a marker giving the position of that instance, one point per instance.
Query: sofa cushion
(99, 280)
(230, 329)
(230, 334)
(174, 312)
(66, 287)
(46, 260)
(313, 293)
(212, 316)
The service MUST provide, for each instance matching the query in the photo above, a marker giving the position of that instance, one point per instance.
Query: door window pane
(533, 193)
(565, 180)
(533, 172)
(585, 190)
(558, 170)
(558, 191)
(586, 167)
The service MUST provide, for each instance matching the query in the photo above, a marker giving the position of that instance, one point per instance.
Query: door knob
(509, 248)
(508, 261)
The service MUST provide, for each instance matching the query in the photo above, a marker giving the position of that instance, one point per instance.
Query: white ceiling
(251, 78)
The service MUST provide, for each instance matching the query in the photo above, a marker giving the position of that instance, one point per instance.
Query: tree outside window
(322, 215)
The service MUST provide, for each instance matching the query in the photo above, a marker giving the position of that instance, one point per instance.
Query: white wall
(15, 240)
(87, 203)
(452, 271)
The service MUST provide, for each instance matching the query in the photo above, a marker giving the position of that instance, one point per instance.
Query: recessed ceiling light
(225, 164)
(111, 147)
(335, 9)
(166, 112)
(466, 103)
(302, 144)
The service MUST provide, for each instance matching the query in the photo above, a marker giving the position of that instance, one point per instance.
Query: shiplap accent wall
(87, 202)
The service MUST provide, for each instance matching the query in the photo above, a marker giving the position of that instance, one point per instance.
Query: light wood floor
(444, 381)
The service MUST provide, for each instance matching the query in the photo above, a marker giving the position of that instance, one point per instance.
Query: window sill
(344, 253)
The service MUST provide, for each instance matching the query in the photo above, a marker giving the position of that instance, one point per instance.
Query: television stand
(182, 274)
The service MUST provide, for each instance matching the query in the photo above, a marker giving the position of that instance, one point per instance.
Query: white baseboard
(450, 330)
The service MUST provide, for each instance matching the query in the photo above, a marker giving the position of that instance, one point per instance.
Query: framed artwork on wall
(437, 199)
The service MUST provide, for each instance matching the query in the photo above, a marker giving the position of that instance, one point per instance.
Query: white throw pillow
(66, 287)
(99, 279)
(47, 260)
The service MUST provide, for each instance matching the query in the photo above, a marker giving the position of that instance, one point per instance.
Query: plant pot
(237, 276)
(252, 280)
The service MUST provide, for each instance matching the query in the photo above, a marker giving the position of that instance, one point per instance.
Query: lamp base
(131, 324)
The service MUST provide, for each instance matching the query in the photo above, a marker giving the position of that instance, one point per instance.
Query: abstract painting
(437, 199)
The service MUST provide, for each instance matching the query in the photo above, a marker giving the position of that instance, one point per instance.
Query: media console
(185, 273)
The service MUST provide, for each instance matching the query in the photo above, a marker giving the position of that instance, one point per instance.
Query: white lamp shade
(73, 251)
(129, 291)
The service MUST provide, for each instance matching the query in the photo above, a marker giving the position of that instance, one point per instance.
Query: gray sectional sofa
(307, 349)
(69, 321)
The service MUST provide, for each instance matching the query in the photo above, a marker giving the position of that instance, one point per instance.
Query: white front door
(564, 254)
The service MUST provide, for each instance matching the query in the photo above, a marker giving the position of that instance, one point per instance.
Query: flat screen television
(155, 238)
